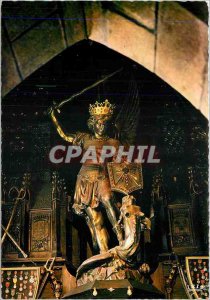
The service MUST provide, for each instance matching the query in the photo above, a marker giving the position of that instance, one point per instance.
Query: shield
(125, 177)
(197, 268)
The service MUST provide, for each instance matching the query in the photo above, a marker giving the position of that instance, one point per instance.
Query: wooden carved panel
(181, 228)
(40, 232)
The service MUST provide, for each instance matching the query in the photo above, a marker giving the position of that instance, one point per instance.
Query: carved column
(58, 216)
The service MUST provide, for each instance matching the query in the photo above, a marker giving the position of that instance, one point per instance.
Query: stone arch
(163, 37)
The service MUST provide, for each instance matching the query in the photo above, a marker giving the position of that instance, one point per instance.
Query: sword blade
(88, 88)
(44, 280)
(13, 213)
(14, 242)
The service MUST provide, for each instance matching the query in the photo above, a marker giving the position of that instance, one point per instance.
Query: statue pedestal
(115, 289)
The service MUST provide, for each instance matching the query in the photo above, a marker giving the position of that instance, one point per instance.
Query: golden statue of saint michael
(93, 186)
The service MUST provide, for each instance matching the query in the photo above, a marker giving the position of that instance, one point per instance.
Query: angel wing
(126, 121)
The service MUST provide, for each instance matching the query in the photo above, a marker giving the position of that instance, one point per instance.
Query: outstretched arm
(70, 137)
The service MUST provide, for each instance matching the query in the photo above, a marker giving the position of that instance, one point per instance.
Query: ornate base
(109, 273)
(115, 289)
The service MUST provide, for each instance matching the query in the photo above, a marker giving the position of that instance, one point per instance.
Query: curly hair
(91, 122)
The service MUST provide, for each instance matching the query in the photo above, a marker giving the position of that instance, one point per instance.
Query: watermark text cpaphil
(137, 154)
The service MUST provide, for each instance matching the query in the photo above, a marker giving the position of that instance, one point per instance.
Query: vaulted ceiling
(168, 38)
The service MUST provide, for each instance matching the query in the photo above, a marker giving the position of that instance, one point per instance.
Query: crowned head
(102, 109)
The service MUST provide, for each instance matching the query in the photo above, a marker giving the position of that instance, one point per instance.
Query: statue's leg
(112, 212)
(82, 212)
(107, 199)
(100, 231)
(92, 231)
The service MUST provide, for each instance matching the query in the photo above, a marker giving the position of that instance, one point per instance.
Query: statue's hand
(77, 209)
(52, 108)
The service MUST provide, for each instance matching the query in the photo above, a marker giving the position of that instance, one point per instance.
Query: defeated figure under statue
(123, 261)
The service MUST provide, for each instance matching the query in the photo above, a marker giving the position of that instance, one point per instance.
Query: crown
(103, 108)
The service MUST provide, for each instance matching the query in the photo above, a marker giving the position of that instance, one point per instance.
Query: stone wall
(164, 37)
